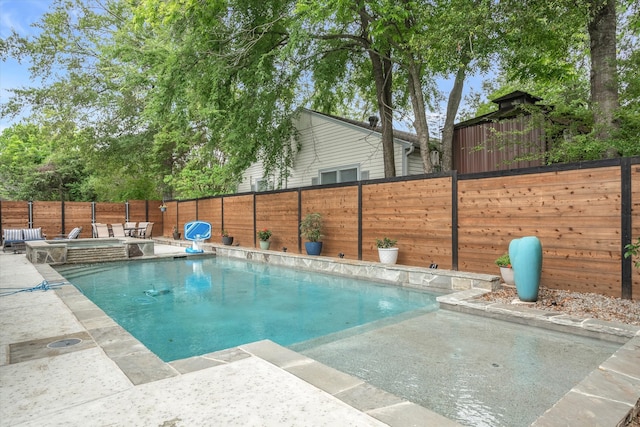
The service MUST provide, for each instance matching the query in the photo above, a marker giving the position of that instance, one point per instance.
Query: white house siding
(328, 143)
(415, 164)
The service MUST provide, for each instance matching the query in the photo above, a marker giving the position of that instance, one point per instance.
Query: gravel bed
(585, 305)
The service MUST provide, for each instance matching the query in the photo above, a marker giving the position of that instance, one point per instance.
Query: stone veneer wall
(413, 277)
(112, 249)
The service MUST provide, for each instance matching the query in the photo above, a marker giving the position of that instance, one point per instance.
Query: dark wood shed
(507, 138)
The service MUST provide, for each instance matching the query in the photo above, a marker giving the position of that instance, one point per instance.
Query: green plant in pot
(226, 238)
(387, 252)
(311, 229)
(504, 262)
(264, 235)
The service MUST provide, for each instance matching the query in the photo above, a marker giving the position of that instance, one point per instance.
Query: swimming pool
(179, 308)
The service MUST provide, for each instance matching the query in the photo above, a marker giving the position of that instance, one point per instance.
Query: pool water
(180, 308)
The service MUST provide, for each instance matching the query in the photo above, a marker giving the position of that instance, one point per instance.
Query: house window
(263, 185)
(335, 176)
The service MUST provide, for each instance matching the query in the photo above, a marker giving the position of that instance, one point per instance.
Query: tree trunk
(604, 85)
(382, 74)
(420, 123)
(452, 109)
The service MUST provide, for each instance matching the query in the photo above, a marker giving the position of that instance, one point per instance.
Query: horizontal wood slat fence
(584, 214)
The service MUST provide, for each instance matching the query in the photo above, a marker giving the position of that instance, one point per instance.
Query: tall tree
(546, 39)
(604, 76)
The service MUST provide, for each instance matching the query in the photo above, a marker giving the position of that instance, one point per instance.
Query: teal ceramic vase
(526, 260)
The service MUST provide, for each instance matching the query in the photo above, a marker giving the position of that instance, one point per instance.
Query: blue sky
(20, 15)
(17, 15)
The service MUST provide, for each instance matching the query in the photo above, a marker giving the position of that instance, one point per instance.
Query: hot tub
(79, 251)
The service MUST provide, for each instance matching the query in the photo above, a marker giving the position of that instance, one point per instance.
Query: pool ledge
(608, 396)
(428, 279)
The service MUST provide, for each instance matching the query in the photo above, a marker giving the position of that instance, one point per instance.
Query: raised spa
(87, 250)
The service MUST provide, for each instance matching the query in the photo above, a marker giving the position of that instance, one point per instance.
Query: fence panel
(210, 210)
(15, 214)
(238, 218)
(169, 218)
(417, 213)
(78, 214)
(138, 210)
(110, 213)
(575, 214)
(339, 209)
(48, 215)
(186, 213)
(279, 213)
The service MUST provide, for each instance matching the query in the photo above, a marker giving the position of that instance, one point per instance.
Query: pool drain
(64, 343)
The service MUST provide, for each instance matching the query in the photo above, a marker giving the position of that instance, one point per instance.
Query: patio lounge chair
(72, 235)
(100, 230)
(131, 228)
(118, 230)
(146, 233)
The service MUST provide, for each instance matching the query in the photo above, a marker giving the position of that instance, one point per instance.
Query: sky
(20, 15)
(17, 15)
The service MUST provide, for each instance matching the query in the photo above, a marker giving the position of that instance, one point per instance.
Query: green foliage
(633, 249)
(36, 165)
(264, 234)
(503, 261)
(386, 243)
(311, 227)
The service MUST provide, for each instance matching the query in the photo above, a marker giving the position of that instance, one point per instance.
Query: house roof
(397, 134)
(509, 105)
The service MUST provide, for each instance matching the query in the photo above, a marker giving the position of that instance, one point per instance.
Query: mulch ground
(586, 305)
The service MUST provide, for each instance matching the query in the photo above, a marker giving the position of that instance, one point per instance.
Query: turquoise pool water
(179, 308)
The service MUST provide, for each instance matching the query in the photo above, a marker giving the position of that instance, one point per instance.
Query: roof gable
(400, 136)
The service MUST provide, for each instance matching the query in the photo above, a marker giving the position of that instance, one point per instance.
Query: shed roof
(509, 105)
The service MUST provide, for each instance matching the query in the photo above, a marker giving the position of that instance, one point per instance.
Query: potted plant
(264, 235)
(504, 262)
(311, 229)
(387, 252)
(176, 233)
(226, 239)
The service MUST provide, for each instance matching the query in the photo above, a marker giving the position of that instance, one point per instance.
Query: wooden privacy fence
(584, 214)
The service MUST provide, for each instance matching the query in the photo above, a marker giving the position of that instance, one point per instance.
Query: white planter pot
(388, 255)
(507, 275)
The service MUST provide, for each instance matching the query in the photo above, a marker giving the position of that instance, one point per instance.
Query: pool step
(98, 254)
